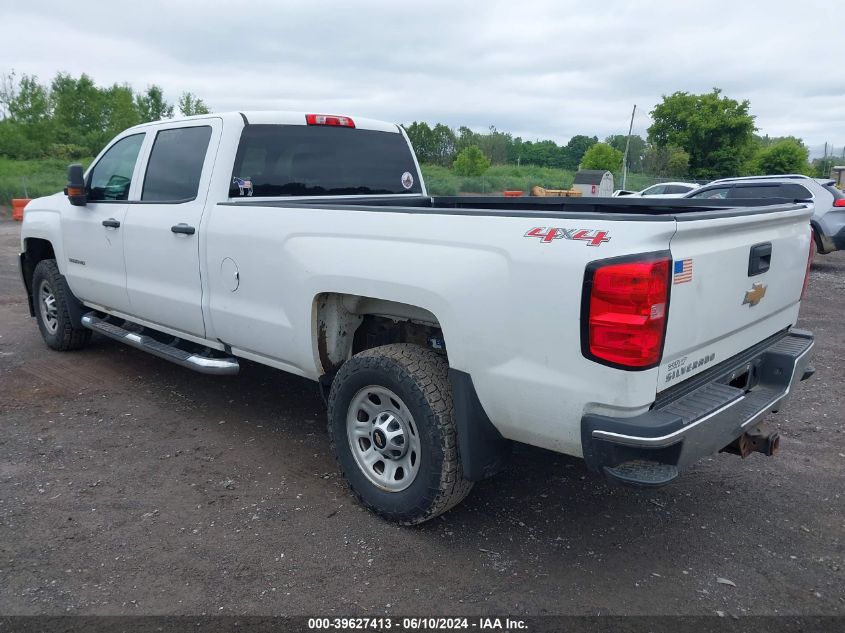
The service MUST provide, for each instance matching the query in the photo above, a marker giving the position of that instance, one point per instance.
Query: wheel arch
(35, 250)
(824, 244)
(344, 324)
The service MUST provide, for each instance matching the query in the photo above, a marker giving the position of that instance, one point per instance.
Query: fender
(75, 307)
(43, 223)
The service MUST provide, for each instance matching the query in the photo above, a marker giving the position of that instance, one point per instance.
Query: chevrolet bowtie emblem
(755, 295)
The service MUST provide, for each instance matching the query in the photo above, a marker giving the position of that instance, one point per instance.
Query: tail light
(839, 203)
(624, 307)
(329, 119)
(809, 261)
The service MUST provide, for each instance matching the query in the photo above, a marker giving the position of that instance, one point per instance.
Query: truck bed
(628, 209)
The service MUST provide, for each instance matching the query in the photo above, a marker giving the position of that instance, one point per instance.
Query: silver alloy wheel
(49, 309)
(383, 438)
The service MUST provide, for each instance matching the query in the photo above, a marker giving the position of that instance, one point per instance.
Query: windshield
(311, 160)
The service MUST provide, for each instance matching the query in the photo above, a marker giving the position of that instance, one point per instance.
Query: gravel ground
(132, 486)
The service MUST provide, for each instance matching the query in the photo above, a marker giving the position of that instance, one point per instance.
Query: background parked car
(662, 190)
(828, 219)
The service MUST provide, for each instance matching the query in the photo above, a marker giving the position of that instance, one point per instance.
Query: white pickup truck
(639, 334)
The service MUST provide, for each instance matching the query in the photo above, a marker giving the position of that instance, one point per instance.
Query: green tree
(636, 149)
(30, 104)
(8, 89)
(602, 156)
(786, 156)
(494, 145)
(434, 146)
(716, 132)
(471, 162)
(515, 151)
(575, 150)
(443, 144)
(29, 129)
(190, 105)
(78, 112)
(152, 105)
(119, 111)
(670, 161)
(423, 141)
(72, 117)
(465, 138)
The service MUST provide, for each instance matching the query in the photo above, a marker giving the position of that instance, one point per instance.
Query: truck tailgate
(736, 280)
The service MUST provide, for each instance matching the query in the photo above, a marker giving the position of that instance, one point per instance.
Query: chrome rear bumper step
(220, 366)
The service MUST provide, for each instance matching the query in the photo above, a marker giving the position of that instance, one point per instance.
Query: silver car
(660, 190)
(828, 220)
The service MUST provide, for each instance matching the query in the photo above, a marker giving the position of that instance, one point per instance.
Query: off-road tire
(420, 378)
(68, 334)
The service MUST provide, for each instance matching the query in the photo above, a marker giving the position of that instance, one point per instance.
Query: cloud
(536, 69)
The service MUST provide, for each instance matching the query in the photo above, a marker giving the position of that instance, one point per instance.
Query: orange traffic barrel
(513, 194)
(17, 208)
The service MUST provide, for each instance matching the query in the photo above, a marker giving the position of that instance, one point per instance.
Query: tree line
(696, 136)
(71, 117)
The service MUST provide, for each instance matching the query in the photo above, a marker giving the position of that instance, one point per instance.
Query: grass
(443, 182)
(32, 178)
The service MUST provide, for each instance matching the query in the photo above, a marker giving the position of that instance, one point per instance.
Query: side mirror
(75, 190)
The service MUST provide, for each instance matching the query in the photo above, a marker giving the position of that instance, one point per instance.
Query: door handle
(183, 228)
(759, 259)
(111, 223)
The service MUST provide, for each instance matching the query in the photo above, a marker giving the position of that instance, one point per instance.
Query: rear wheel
(392, 431)
(52, 296)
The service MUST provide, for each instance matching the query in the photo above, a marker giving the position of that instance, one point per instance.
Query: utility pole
(627, 144)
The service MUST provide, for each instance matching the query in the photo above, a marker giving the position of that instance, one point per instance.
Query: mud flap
(483, 450)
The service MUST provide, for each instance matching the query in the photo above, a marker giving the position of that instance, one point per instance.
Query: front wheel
(392, 430)
(52, 296)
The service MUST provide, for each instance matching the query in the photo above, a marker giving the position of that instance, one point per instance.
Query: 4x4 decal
(546, 235)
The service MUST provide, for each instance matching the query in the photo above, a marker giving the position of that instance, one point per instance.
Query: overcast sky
(535, 69)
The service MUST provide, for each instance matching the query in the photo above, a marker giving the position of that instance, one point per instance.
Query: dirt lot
(131, 486)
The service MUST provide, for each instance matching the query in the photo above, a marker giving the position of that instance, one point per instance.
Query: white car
(662, 190)
(440, 330)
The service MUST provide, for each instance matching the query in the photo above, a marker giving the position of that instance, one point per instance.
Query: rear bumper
(831, 237)
(698, 418)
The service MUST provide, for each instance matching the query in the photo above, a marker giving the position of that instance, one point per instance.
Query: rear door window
(311, 160)
(677, 189)
(175, 166)
(717, 193)
(756, 191)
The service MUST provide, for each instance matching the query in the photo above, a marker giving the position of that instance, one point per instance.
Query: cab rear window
(305, 160)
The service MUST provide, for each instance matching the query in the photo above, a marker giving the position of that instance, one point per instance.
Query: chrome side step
(204, 364)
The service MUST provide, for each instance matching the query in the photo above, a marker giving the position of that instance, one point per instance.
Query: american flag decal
(682, 271)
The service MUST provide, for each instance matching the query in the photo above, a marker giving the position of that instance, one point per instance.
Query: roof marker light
(329, 119)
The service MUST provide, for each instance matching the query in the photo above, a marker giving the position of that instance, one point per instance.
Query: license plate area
(744, 377)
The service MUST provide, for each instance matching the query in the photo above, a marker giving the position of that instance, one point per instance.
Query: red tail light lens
(809, 261)
(626, 305)
(329, 119)
(839, 203)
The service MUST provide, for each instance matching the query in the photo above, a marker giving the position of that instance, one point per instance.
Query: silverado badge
(755, 295)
